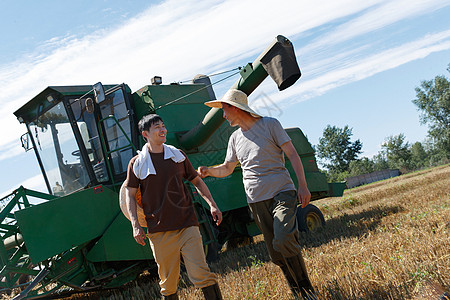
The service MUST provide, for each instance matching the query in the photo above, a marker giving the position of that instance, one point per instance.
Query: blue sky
(361, 60)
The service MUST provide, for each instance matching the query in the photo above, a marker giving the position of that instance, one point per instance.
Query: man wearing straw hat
(258, 145)
(158, 172)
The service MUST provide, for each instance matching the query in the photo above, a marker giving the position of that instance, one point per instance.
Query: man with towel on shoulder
(172, 226)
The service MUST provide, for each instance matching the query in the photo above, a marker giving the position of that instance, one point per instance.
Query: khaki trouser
(167, 247)
(276, 218)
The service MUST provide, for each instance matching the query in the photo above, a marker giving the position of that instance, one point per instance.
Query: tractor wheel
(309, 218)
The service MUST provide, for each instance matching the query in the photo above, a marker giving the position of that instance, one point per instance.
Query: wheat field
(386, 240)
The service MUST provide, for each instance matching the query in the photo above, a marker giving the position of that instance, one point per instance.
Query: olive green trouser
(276, 218)
(168, 247)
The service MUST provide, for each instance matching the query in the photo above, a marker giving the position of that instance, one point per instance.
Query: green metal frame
(206, 226)
(107, 153)
(15, 262)
(71, 267)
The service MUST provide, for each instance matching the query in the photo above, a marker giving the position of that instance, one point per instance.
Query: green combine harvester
(77, 238)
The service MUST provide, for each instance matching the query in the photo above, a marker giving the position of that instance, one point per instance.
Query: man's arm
(222, 170)
(304, 196)
(206, 194)
(138, 232)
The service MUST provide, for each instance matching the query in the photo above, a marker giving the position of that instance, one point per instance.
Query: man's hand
(216, 214)
(138, 234)
(206, 194)
(221, 171)
(202, 171)
(304, 196)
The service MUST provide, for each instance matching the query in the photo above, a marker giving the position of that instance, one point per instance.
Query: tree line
(339, 155)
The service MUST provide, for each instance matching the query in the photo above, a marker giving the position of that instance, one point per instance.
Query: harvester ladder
(102, 139)
(206, 227)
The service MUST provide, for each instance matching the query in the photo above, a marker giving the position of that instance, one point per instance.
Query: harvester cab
(82, 136)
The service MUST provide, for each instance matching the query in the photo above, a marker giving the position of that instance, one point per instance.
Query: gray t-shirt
(262, 161)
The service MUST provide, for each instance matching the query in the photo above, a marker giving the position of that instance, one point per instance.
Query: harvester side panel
(118, 244)
(61, 224)
(303, 147)
(228, 192)
(317, 181)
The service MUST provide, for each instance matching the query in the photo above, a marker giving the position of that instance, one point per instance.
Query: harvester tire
(309, 218)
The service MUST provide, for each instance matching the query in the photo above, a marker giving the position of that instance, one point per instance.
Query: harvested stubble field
(387, 240)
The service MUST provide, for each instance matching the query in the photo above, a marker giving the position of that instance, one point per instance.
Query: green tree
(435, 155)
(336, 150)
(380, 161)
(419, 157)
(433, 100)
(361, 166)
(397, 151)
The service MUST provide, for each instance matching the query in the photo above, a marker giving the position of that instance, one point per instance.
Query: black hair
(147, 121)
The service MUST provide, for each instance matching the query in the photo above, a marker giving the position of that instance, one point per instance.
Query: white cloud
(382, 15)
(36, 183)
(354, 70)
(10, 150)
(171, 39)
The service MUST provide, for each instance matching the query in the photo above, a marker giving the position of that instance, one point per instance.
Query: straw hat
(123, 206)
(235, 98)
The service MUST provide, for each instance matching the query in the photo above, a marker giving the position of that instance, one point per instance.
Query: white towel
(143, 166)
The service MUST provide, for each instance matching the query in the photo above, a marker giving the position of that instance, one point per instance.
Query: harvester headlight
(50, 98)
(156, 80)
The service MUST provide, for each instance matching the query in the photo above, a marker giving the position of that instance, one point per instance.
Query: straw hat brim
(218, 104)
(123, 207)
